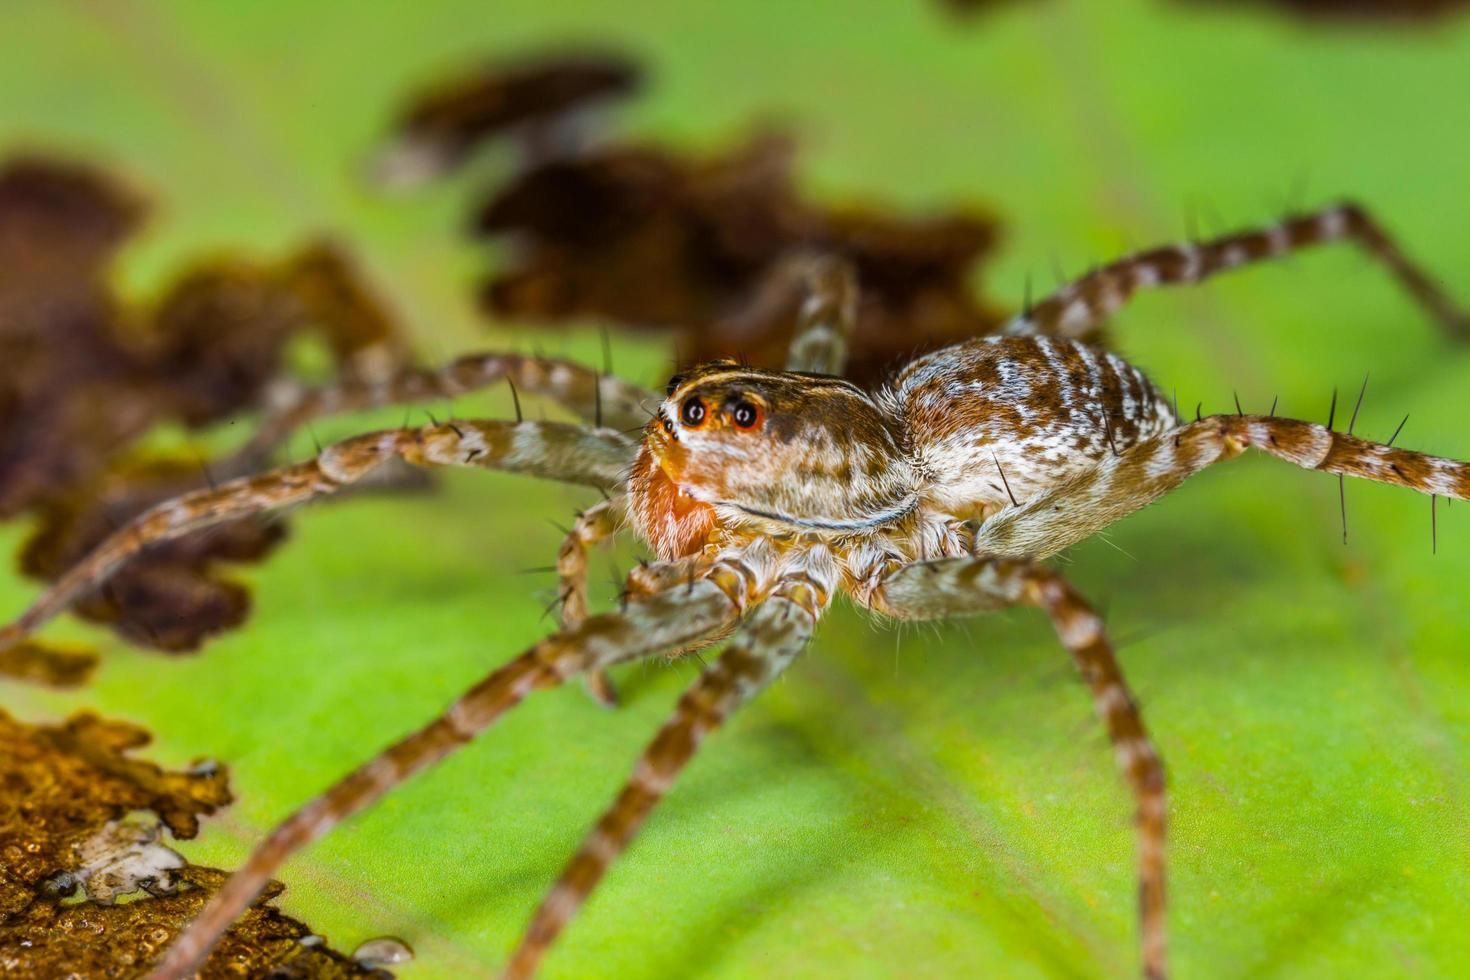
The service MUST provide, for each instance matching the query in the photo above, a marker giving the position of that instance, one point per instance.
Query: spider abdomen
(997, 419)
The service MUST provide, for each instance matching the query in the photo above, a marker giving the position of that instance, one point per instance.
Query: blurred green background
(930, 802)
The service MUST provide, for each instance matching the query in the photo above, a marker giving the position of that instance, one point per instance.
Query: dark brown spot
(83, 376)
(1404, 11)
(42, 664)
(652, 237)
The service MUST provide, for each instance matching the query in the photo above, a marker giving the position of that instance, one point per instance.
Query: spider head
(736, 446)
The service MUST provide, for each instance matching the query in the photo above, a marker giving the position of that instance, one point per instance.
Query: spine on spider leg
(593, 526)
(1079, 308)
(599, 397)
(1061, 516)
(586, 392)
(670, 619)
(772, 637)
(549, 449)
(1317, 447)
(553, 450)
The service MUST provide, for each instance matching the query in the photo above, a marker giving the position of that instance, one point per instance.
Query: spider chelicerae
(765, 493)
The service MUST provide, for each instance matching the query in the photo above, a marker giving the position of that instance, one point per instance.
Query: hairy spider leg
(677, 617)
(827, 316)
(1059, 517)
(966, 586)
(767, 643)
(556, 450)
(595, 525)
(602, 399)
(1081, 307)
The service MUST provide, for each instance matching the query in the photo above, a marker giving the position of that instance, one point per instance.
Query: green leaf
(931, 802)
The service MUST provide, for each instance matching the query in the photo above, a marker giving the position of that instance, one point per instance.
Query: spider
(764, 493)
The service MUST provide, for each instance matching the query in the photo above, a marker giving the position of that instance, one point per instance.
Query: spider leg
(828, 313)
(965, 586)
(593, 526)
(1057, 518)
(674, 618)
(602, 399)
(1080, 308)
(764, 646)
(572, 453)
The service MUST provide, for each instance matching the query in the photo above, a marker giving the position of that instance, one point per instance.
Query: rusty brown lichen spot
(87, 888)
(83, 375)
(648, 237)
(41, 663)
(61, 785)
(533, 101)
(50, 939)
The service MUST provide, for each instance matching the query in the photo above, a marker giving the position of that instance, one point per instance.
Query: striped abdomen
(1000, 418)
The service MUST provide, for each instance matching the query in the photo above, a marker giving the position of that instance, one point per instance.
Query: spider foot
(600, 686)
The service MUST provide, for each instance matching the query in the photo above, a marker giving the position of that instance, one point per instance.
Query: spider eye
(692, 413)
(674, 384)
(746, 415)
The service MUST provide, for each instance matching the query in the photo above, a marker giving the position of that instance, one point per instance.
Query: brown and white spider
(765, 493)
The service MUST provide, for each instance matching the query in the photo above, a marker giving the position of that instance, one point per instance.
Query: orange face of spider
(733, 445)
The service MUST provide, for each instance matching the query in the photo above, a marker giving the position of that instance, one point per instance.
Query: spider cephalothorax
(785, 452)
(764, 493)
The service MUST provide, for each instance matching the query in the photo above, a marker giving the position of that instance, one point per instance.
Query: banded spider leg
(828, 314)
(767, 642)
(1059, 517)
(598, 397)
(682, 615)
(602, 399)
(1054, 519)
(1078, 309)
(555, 450)
(967, 586)
(595, 525)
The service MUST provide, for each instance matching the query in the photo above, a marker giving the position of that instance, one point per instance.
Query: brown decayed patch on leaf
(41, 663)
(650, 238)
(968, 8)
(72, 842)
(65, 783)
(66, 378)
(84, 375)
(171, 599)
(708, 246)
(1367, 10)
(1348, 10)
(532, 100)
